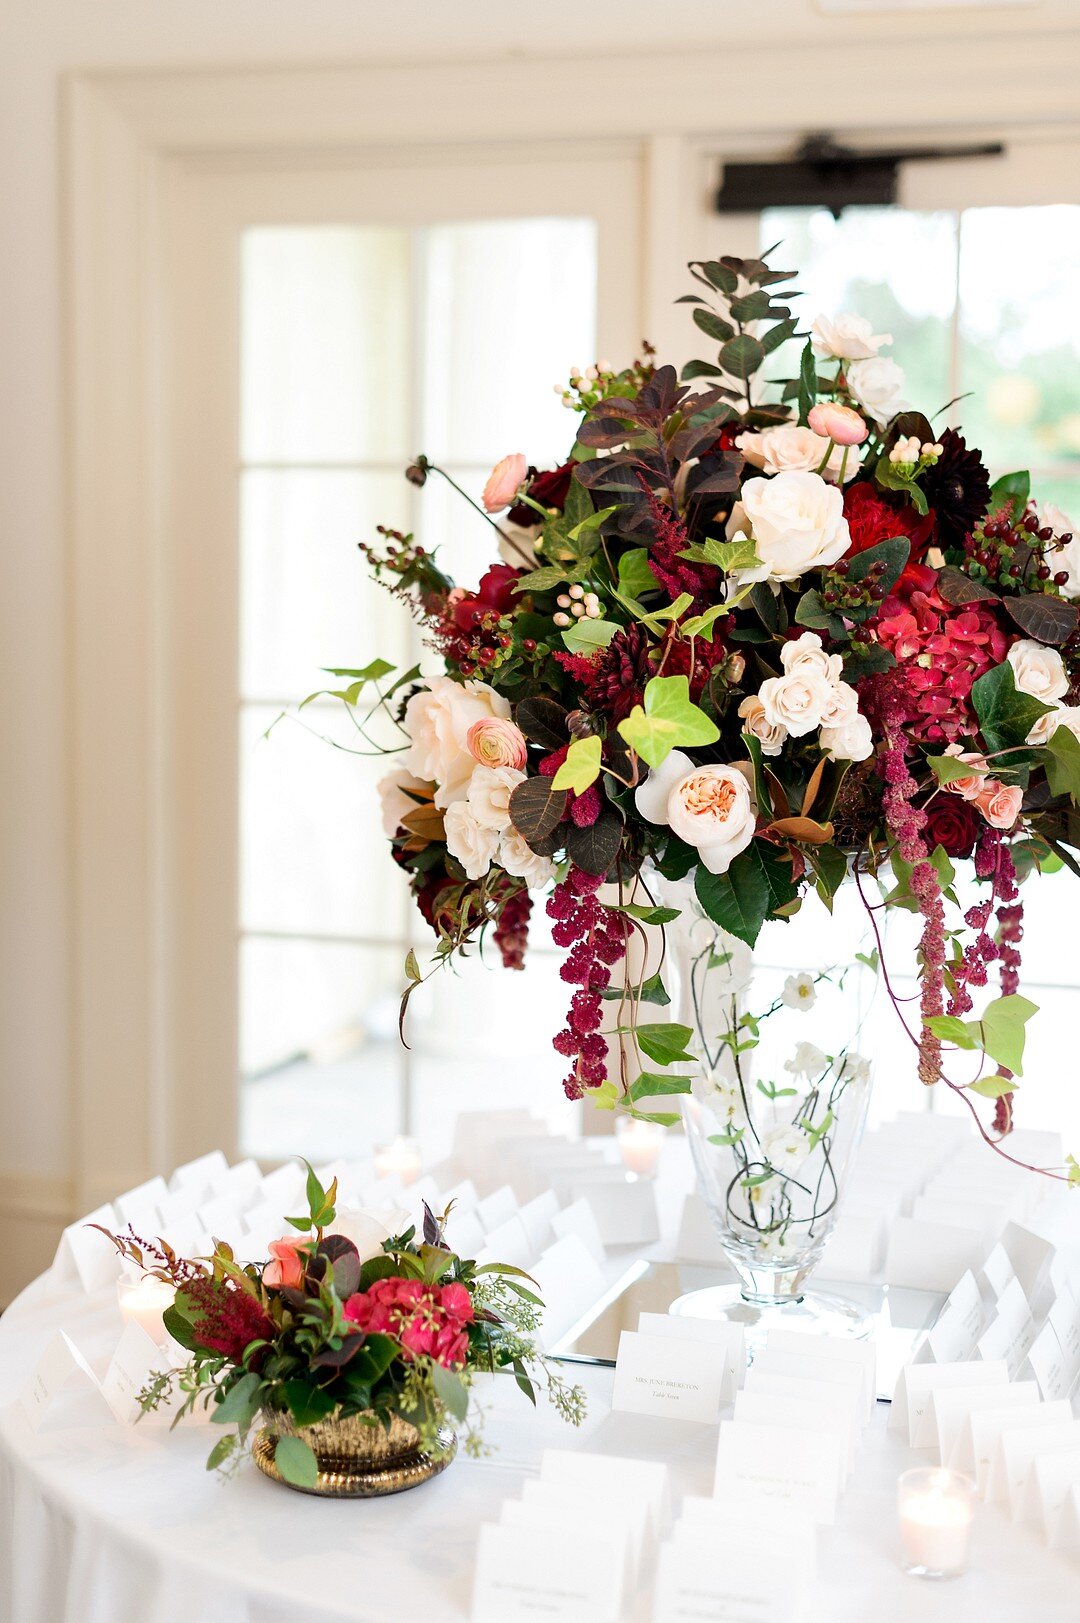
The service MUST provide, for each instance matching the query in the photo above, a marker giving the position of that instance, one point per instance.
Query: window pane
(308, 600)
(1019, 344)
(320, 1057)
(894, 266)
(313, 858)
(510, 308)
(325, 343)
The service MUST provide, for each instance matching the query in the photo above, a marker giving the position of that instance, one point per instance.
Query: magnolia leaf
(669, 720)
(802, 829)
(582, 766)
(739, 909)
(296, 1461)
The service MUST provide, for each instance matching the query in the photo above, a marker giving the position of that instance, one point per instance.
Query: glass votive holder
(936, 1508)
(400, 1159)
(142, 1300)
(640, 1143)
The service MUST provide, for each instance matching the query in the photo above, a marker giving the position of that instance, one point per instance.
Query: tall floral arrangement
(765, 633)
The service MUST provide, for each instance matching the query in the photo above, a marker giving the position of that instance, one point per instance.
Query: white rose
(488, 795)
(1068, 716)
(769, 734)
(842, 708)
(396, 801)
(1038, 670)
(847, 338)
(1040, 734)
(787, 448)
(853, 741)
(797, 700)
(519, 859)
(710, 807)
(470, 842)
(878, 386)
(368, 1229)
(807, 650)
(784, 1148)
(437, 720)
(1063, 559)
(797, 522)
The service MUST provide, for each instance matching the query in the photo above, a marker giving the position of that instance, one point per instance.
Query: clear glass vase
(779, 1102)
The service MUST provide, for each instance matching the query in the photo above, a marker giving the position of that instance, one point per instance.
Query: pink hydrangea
(942, 651)
(428, 1320)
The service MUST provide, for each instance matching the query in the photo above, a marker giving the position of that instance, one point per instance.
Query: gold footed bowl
(358, 1457)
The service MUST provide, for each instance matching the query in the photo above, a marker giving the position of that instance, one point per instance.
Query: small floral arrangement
(343, 1319)
(767, 635)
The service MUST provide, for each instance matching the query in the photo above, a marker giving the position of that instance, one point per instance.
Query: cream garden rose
(1064, 559)
(488, 796)
(807, 650)
(1038, 670)
(797, 523)
(469, 841)
(709, 807)
(397, 792)
(520, 860)
(852, 740)
(846, 338)
(796, 701)
(769, 734)
(437, 720)
(787, 448)
(878, 386)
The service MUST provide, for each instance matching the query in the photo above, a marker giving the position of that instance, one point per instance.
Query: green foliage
(999, 1034)
(1062, 761)
(585, 636)
(652, 1085)
(451, 1391)
(1006, 716)
(947, 768)
(650, 915)
(669, 720)
(581, 767)
(1010, 493)
(665, 1043)
(296, 1461)
(240, 1404)
(635, 576)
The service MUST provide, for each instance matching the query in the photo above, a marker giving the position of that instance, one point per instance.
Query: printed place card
(86, 1254)
(205, 1172)
(1064, 1319)
(1020, 1450)
(1030, 1255)
(465, 1233)
(1065, 1534)
(930, 1256)
(517, 1579)
(834, 1349)
(497, 1208)
(726, 1339)
(1049, 1481)
(60, 1363)
(952, 1407)
(1046, 1361)
(509, 1243)
(990, 1430)
(542, 1505)
(844, 1403)
(578, 1219)
(569, 1283)
(137, 1358)
(956, 1329)
(759, 1408)
(744, 1587)
(141, 1207)
(996, 1272)
(828, 1371)
(722, 1523)
(676, 1380)
(536, 1216)
(1010, 1332)
(798, 1468)
(608, 1475)
(911, 1400)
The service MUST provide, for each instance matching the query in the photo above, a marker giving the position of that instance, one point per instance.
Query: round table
(103, 1523)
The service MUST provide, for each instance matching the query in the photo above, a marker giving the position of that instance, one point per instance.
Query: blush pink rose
(504, 482)
(972, 786)
(837, 423)
(494, 742)
(1000, 805)
(286, 1269)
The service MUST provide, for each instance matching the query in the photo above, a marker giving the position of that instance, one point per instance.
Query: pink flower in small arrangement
(494, 742)
(286, 1269)
(838, 423)
(428, 1320)
(1000, 803)
(971, 786)
(504, 482)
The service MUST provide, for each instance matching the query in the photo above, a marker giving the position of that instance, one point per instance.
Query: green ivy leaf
(993, 1087)
(296, 1461)
(665, 1043)
(650, 915)
(947, 768)
(1006, 716)
(582, 766)
(650, 1085)
(669, 720)
(1003, 1029)
(635, 576)
(586, 636)
(1062, 759)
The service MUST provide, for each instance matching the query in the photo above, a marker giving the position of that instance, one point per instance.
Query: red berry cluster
(840, 594)
(991, 553)
(596, 936)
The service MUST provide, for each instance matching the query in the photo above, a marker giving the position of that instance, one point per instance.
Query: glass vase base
(814, 1313)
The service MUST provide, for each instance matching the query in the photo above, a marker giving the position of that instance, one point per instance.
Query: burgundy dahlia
(957, 487)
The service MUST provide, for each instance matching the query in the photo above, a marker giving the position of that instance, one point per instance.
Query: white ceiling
(116, 33)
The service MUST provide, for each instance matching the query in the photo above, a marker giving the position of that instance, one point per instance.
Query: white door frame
(132, 144)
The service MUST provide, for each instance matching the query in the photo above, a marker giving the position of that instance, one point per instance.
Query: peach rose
(838, 423)
(286, 1269)
(1000, 805)
(494, 742)
(504, 482)
(971, 787)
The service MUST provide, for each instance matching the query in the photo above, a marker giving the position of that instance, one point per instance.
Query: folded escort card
(85, 1254)
(517, 1579)
(750, 1584)
(675, 1379)
(989, 1431)
(955, 1331)
(953, 1406)
(800, 1414)
(798, 1468)
(727, 1341)
(859, 1353)
(911, 1409)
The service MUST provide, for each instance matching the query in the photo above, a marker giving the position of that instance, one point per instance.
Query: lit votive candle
(936, 1509)
(639, 1145)
(399, 1159)
(143, 1301)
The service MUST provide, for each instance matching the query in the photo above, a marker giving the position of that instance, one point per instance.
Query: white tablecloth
(105, 1524)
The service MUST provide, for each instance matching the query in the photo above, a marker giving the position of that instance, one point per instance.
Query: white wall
(40, 40)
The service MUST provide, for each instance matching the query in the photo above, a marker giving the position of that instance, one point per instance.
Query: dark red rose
(550, 489)
(952, 823)
(872, 518)
(495, 594)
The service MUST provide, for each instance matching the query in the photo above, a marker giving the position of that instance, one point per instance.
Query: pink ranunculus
(504, 482)
(494, 742)
(838, 423)
(999, 803)
(286, 1269)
